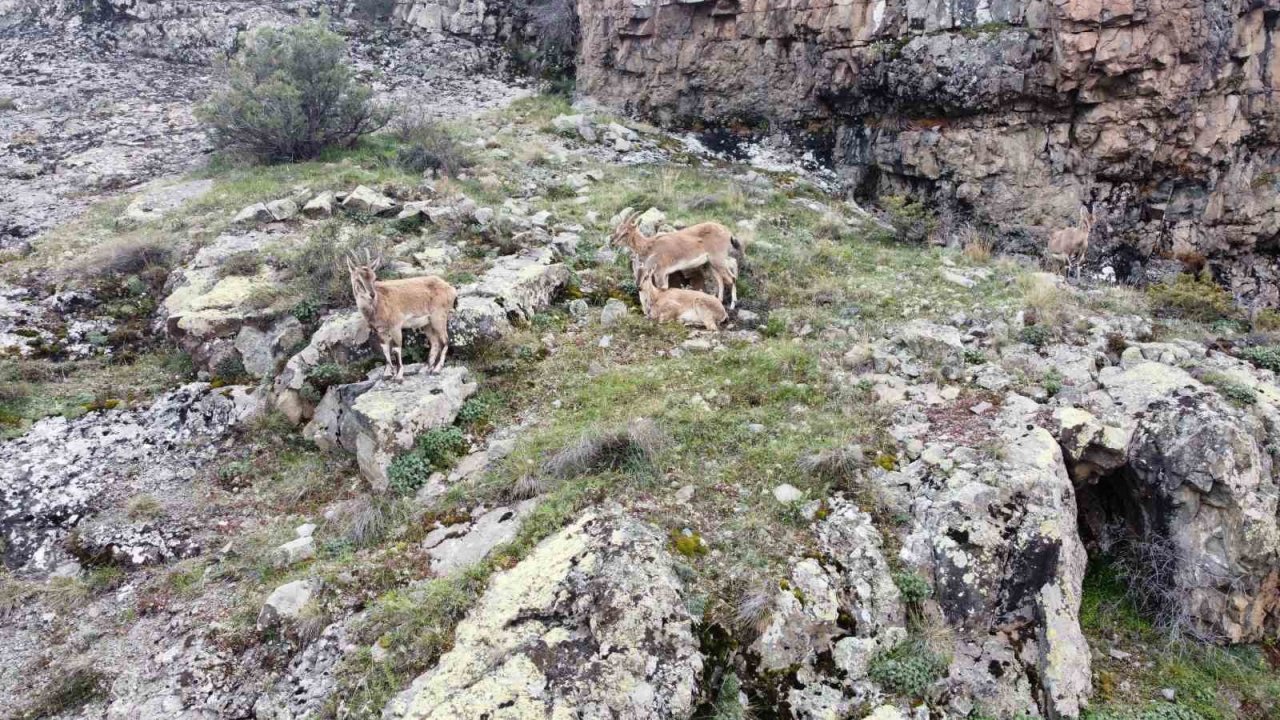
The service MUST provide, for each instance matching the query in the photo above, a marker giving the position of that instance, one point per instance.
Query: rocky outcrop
(1174, 473)
(510, 291)
(231, 323)
(590, 624)
(1157, 114)
(379, 418)
(62, 472)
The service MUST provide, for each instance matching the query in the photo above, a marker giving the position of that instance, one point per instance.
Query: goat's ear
(375, 263)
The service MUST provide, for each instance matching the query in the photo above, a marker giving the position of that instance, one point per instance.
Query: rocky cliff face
(1159, 114)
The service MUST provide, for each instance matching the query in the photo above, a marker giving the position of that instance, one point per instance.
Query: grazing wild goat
(1069, 245)
(689, 307)
(689, 249)
(393, 306)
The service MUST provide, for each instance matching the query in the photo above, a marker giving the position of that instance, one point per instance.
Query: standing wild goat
(1069, 245)
(689, 249)
(679, 305)
(392, 306)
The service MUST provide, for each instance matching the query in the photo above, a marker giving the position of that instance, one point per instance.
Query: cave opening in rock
(1124, 526)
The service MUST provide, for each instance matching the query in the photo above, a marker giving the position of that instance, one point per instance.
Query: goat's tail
(736, 243)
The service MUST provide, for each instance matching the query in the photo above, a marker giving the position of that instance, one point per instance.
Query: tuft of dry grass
(598, 450)
(976, 244)
(836, 464)
(128, 256)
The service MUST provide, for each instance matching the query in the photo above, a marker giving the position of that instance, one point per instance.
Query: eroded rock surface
(1019, 111)
(62, 472)
(590, 624)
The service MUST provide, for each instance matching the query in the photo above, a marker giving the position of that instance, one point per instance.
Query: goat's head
(622, 234)
(363, 275)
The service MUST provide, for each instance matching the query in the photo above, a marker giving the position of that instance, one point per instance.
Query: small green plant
(478, 411)
(1267, 320)
(688, 544)
(1037, 336)
(1052, 382)
(306, 311)
(1266, 357)
(774, 327)
(974, 356)
(242, 263)
(1235, 391)
(326, 375)
(435, 451)
(428, 147)
(728, 705)
(1190, 297)
(914, 588)
(909, 669)
(291, 95)
(912, 221)
(230, 370)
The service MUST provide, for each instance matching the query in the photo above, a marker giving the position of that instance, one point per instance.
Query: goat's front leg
(397, 344)
(386, 353)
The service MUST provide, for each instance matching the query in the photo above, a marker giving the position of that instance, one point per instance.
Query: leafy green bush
(1196, 298)
(908, 669)
(290, 96)
(1052, 381)
(914, 588)
(1264, 356)
(435, 450)
(1036, 336)
(478, 411)
(912, 221)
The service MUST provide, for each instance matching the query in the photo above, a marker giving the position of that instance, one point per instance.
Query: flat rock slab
(380, 418)
(469, 543)
(158, 200)
(512, 290)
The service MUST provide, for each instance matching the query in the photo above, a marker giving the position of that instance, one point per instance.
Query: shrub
(914, 588)
(435, 450)
(1263, 356)
(317, 272)
(291, 95)
(1052, 381)
(478, 411)
(1196, 298)
(131, 258)
(1036, 336)
(911, 221)
(427, 146)
(908, 669)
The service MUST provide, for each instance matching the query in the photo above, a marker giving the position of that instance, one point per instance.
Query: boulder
(936, 345)
(281, 210)
(286, 603)
(370, 202)
(295, 551)
(512, 290)
(320, 206)
(343, 337)
(590, 624)
(253, 215)
(380, 418)
(613, 313)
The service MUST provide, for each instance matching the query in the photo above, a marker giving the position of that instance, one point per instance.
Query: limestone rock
(512, 290)
(591, 623)
(470, 542)
(343, 337)
(320, 206)
(370, 202)
(380, 418)
(162, 199)
(287, 602)
(613, 312)
(253, 214)
(938, 345)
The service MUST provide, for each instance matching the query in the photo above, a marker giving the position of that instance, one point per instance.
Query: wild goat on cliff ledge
(665, 254)
(1069, 245)
(393, 306)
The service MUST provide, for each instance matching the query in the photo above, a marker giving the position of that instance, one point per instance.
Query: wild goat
(392, 306)
(1069, 245)
(689, 307)
(689, 249)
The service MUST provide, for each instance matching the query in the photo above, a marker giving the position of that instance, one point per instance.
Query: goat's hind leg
(438, 333)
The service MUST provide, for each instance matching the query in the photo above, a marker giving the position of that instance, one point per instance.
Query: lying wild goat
(679, 305)
(683, 250)
(1069, 245)
(392, 306)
